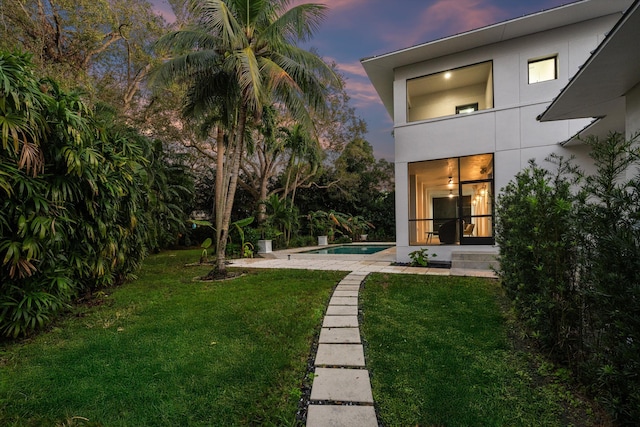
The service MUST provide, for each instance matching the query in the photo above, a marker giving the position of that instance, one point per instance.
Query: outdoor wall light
(450, 194)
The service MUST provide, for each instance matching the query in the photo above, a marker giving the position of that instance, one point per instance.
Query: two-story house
(465, 112)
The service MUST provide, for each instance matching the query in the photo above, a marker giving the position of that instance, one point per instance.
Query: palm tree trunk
(220, 180)
(229, 193)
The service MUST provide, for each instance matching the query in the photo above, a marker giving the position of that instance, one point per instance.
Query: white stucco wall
(510, 129)
(633, 111)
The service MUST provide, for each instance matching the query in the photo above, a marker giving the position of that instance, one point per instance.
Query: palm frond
(298, 23)
(217, 18)
(250, 79)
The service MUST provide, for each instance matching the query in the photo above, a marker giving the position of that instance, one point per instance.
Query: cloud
(444, 18)
(349, 68)
(362, 93)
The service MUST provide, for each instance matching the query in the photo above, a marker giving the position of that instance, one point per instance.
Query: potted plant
(268, 233)
(359, 227)
(319, 226)
(326, 224)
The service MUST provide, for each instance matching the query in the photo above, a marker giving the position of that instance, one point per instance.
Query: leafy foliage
(536, 234)
(85, 200)
(570, 261)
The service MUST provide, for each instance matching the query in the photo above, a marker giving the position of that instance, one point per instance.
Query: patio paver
(340, 322)
(342, 310)
(343, 301)
(337, 415)
(342, 385)
(339, 335)
(341, 293)
(340, 355)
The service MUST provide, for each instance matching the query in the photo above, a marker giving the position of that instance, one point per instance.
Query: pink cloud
(445, 17)
(347, 68)
(362, 93)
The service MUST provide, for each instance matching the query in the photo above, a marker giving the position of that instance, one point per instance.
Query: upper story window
(542, 70)
(457, 91)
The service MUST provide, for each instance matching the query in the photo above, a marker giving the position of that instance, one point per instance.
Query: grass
(438, 353)
(166, 350)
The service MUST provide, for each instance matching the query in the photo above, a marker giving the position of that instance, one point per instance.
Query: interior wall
(444, 103)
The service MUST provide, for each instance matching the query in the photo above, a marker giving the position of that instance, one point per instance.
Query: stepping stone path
(341, 391)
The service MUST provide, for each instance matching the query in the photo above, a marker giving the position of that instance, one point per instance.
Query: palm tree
(247, 48)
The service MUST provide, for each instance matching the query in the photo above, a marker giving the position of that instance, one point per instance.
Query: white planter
(363, 237)
(323, 240)
(264, 246)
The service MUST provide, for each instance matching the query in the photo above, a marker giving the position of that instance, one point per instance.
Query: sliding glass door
(451, 201)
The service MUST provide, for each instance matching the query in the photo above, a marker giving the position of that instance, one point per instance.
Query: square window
(542, 70)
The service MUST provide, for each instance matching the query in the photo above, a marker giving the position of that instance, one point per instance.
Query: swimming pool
(350, 250)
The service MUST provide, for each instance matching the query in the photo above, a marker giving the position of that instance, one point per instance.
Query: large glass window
(462, 90)
(451, 201)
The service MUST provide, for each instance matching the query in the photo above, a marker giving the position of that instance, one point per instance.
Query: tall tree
(102, 46)
(247, 49)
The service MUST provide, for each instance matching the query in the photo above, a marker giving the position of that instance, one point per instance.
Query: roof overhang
(609, 73)
(600, 127)
(380, 69)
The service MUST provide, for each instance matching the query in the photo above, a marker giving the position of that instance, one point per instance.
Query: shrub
(570, 262)
(609, 217)
(82, 202)
(537, 237)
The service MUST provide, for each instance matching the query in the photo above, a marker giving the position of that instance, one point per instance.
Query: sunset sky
(357, 29)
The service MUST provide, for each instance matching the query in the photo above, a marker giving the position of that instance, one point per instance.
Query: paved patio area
(380, 262)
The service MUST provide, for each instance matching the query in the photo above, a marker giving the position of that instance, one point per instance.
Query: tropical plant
(78, 212)
(282, 217)
(420, 257)
(235, 58)
(328, 223)
(359, 226)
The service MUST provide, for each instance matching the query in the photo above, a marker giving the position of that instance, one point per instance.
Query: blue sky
(357, 29)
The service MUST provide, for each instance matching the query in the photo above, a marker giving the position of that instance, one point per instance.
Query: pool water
(351, 250)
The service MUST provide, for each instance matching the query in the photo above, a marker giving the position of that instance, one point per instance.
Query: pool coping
(386, 255)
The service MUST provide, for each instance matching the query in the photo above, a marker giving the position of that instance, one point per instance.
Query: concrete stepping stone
(340, 293)
(356, 274)
(340, 322)
(340, 355)
(342, 385)
(343, 301)
(347, 288)
(339, 336)
(341, 416)
(342, 310)
(352, 282)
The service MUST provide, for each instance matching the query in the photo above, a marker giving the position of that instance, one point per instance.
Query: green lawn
(438, 354)
(168, 351)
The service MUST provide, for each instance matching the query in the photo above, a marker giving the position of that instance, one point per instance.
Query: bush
(570, 262)
(536, 234)
(82, 200)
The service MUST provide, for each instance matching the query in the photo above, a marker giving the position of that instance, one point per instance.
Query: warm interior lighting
(450, 194)
(450, 181)
(447, 75)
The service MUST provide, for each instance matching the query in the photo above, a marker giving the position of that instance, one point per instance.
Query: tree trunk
(220, 180)
(228, 192)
